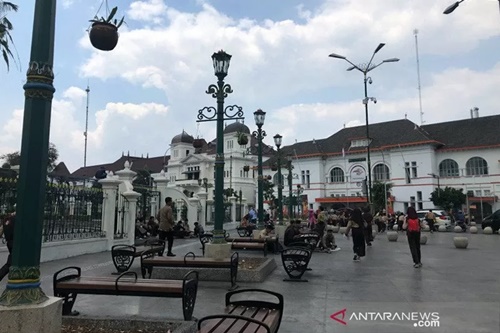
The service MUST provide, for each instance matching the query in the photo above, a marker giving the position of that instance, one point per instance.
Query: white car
(442, 218)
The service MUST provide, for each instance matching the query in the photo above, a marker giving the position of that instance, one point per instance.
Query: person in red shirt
(413, 225)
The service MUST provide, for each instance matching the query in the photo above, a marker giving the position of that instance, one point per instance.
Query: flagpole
(346, 178)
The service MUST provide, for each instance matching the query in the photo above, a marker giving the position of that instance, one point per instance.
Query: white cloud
(279, 66)
(67, 3)
(148, 11)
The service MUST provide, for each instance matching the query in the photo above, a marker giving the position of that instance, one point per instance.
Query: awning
(341, 199)
(483, 199)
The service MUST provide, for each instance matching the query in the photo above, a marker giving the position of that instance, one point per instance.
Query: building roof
(61, 170)
(182, 138)
(236, 127)
(472, 133)
(153, 164)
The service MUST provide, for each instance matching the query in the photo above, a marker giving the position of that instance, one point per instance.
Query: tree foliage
(6, 27)
(14, 158)
(380, 192)
(448, 198)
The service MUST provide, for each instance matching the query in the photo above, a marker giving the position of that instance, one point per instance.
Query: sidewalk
(462, 286)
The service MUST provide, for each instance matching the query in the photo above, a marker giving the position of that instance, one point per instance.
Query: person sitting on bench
(268, 232)
(198, 229)
(292, 233)
(152, 226)
(180, 231)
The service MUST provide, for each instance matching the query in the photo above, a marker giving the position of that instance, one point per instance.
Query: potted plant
(104, 31)
(246, 168)
(197, 143)
(242, 139)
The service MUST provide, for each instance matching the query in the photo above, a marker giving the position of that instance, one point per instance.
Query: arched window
(337, 175)
(381, 172)
(276, 179)
(448, 168)
(476, 166)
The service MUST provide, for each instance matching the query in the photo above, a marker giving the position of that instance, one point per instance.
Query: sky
(152, 85)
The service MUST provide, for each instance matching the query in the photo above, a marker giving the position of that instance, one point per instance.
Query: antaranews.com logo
(419, 319)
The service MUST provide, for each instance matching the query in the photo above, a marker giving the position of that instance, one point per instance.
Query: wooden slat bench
(149, 261)
(68, 286)
(250, 246)
(123, 255)
(245, 316)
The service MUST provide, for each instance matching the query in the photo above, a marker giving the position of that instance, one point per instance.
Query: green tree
(268, 191)
(448, 198)
(380, 192)
(14, 158)
(5, 28)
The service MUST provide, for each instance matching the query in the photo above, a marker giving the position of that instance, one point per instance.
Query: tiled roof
(153, 164)
(470, 133)
(60, 171)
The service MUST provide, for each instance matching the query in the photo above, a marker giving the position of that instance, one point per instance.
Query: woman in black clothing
(356, 226)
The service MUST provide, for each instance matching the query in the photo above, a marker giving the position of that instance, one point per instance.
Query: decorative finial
(162, 172)
(126, 165)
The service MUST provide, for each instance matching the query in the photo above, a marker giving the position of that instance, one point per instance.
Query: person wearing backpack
(412, 225)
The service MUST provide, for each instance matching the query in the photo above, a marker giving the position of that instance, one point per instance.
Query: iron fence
(70, 212)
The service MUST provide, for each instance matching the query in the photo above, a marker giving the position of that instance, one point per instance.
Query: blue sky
(150, 87)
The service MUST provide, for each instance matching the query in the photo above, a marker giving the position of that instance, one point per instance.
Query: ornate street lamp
(260, 116)
(290, 167)
(220, 91)
(451, 8)
(365, 69)
(23, 285)
(277, 142)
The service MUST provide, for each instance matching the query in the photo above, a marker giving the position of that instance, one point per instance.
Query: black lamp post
(290, 167)
(23, 285)
(204, 182)
(260, 116)
(220, 91)
(451, 8)
(365, 69)
(277, 142)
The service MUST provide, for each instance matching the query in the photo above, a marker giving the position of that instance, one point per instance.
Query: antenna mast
(415, 32)
(86, 127)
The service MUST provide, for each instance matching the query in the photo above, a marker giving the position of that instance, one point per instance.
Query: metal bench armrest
(189, 254)
(260, 304)
(57, 279)
(122, 275)
(236, 317)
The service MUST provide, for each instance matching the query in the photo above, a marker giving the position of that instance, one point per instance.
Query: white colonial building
(414, 159)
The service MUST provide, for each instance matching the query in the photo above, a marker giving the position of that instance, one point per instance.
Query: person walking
(166, 225)
(356, 227)
(413, 225)
(8, 232)
(430, 218)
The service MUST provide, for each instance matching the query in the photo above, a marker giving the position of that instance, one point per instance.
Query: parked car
(442, 218)
(492, 221)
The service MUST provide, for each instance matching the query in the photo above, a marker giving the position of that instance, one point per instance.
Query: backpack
(413, 225)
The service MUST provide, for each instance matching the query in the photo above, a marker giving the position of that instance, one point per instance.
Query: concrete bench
(69, 286)
(149, 261)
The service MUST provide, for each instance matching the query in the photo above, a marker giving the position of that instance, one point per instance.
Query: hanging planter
(197, 143)
(274, 167)
(242, 139)
(246, 168)
(104, 31)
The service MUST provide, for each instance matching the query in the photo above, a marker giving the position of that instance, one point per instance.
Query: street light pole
(23, 285)
(277, 142)
(290, 212)
(260, 116)
(365, 69)
(220, 91)
(451, 8)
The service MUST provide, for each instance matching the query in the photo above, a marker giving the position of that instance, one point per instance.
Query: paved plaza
(459, 289)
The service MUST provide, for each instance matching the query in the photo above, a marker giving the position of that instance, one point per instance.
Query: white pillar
(178, 214)
(109, 190)
(89, 208)
(192, 213)
(233, 200)
(161, 185)
(203, 200)
(72, 206)
(244, 207)
(130, 214)
(210, 204)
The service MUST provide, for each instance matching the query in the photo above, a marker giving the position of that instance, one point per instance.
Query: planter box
(92, 324)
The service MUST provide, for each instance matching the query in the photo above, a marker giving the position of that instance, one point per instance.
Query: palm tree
(5, 29)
